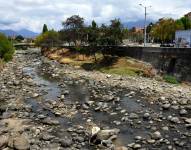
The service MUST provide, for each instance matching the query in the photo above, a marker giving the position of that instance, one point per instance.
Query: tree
(48, 39)
(93, 34)
(45, 28)
(74, 26)
(164, 30)
(19, 38)
(6, 48)
(116, 31)
(185, 22)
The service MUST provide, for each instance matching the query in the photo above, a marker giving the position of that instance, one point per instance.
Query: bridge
(24, 46)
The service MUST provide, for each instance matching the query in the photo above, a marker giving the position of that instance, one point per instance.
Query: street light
(145, 26)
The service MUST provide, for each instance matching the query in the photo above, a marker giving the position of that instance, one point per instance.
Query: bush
(6, 48)
(170, 79)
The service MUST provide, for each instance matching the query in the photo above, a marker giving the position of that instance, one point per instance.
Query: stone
(162, 98)
(165, 128)
(35, 95)
(166, 106)
(146, 116)
(121, 148)
(133, 116)
(136, 146)
(50, 121)
(66, 142)
(106, 134)
(3, 141)
(183, 112)
(80, 139)
(188, 120)
(175, 120)
(138, 138)
(21, 143)
(156, 135)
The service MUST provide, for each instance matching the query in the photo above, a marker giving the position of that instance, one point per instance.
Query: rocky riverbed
(46, 105)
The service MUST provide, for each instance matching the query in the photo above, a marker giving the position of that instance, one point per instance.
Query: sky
(32, 14)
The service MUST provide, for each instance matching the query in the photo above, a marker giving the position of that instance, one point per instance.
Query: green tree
(164, 30)
(19, 38)
(74, 26)
(93, 35)
(48, 39)
(186, 22)
(116, 32)
(6, 48)
(45, 28)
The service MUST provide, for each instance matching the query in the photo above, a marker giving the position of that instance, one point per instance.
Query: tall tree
(45, 28)
(116, 32)
(164, 30)
(74, 26)
(186, 22)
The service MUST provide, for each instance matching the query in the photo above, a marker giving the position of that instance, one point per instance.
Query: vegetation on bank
(170, 79)
(6, 48)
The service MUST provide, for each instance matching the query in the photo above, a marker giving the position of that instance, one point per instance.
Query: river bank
(47, 105)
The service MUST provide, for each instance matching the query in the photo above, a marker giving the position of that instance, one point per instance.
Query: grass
(1, 64)
(170, 79)
(124, 66)
(121, 71)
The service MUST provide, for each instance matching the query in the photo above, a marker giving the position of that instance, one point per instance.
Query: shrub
(6, 48)
(170, 79)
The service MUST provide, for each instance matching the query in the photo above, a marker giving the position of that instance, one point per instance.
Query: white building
(183, 38)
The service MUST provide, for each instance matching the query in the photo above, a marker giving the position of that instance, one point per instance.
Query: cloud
(31, 14)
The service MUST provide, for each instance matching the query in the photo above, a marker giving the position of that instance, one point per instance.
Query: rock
(121, 148)
(162, 98)
(136, 146)
(108, 76)
(166, 106)
(62, 97)
(35, 95)
(146, 116)
(80, 139)
(50, 121)
(188, 120)
(156, 135)
(183, 112)
(3, 141)
(138, 138)
(66, 142)
(183, 101)
(106, 134)
(175, 120)
(151, 141)
(21, 143)
(165, 128)
(133, 116)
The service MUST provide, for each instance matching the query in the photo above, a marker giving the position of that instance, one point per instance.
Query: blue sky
(32, 14)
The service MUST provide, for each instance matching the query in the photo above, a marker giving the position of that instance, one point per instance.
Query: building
(183, 38)
(188, 15)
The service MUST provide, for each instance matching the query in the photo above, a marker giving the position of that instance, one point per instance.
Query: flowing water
(80, 93)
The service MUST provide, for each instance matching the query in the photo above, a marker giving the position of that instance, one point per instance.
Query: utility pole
(145, 24)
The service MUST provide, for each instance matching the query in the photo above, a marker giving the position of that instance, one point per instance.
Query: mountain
(139, 23)
(27, 33)
(9, 32)
(24, 32)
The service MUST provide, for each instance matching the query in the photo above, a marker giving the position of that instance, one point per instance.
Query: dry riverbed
(46, 105)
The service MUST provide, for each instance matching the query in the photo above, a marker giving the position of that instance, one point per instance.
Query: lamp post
(145, 26)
